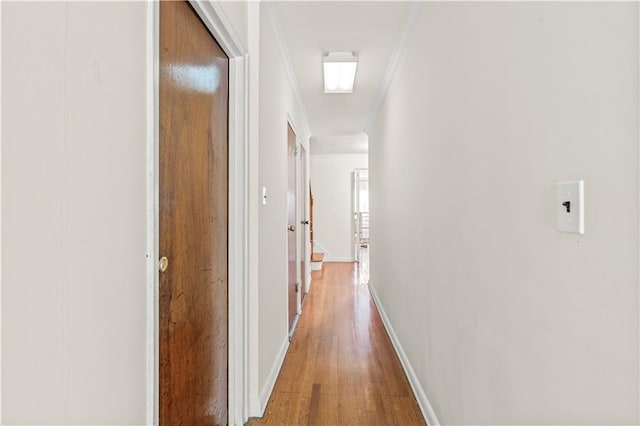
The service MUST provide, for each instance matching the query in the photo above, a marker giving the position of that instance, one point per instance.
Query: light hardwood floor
(341, 368)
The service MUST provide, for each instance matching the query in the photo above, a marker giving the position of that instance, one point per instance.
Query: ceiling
(310, 30)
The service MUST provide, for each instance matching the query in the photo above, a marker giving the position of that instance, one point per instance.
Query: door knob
(163, 263)
(291, 228)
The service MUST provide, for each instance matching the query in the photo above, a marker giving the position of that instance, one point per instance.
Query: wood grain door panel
(194, 91)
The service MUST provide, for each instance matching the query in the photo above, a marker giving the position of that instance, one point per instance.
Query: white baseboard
(427, 411)
(254, 407)
(265, 394)
(340, 259)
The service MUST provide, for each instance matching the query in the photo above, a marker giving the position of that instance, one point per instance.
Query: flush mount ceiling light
(339, 72)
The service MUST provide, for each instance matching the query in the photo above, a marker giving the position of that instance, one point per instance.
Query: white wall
(332, 187)
(503, 319)
(73, 218)
(272, 103)
(237, 12)
(277, 104)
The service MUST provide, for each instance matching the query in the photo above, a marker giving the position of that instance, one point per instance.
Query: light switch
(570, 206)
(264, 195)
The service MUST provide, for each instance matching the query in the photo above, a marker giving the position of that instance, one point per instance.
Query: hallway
(502, 141)
(341, 368)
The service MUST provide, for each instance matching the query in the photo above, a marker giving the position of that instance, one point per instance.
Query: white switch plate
(264, 195)
(570, 196)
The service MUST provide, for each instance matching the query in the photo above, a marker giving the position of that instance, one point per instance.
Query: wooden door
(305, 222)
(194, 104)
(292, 239)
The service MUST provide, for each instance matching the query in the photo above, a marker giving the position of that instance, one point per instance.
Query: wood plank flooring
(341, 368)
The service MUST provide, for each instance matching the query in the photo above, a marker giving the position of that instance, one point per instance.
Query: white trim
(304, 216)
(319, 248)
(286, 62)
(426, 408)
(265, 393)
(328, 257)
(394, 61)
(238, 247)
(252, 327)
(220, 27)
(292, 123)
(296, 221)
(638, 183)
(0, 219)
(299, 233)
(355, 208)
(296, 319)
(307, 201)
(340, 154)
(152, 210)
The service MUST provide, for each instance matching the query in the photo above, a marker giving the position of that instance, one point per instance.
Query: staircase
(317, 258)
(317, 261)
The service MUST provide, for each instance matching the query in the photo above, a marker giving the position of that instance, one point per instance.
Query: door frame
(302, 188)
(291, 330)
(355, 209)
(303, 199)
(216, 21)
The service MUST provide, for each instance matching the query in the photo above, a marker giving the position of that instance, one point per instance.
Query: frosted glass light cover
(339, 72)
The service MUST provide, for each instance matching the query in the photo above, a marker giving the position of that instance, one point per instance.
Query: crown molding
(286, 60)
(216, 20)
(394, 61)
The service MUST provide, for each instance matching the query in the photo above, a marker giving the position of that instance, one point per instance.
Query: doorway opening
(293, 284)
(361, 219)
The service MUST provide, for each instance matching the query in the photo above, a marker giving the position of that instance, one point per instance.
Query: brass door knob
(291, 228)
(163, 264)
